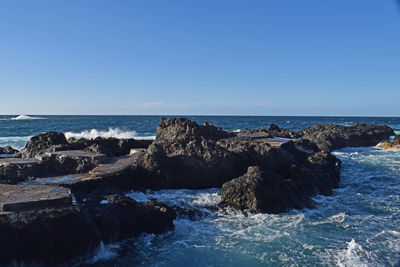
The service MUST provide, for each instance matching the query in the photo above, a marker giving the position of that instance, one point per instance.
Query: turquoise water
(359, 225)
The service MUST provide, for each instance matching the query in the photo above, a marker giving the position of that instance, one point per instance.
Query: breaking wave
(17, 142)
(26, 117)
(111, 132)
(104, 252)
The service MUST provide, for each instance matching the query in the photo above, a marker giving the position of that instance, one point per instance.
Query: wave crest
(26, 117)
(111, 132)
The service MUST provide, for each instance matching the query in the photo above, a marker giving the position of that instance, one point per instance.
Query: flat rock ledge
(15, 198)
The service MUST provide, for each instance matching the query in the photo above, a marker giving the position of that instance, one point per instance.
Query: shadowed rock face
(275, 191)
(186, 155)
(261, 190)
(50, 236)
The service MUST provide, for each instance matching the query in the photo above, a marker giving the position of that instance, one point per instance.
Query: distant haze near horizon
(298, 58)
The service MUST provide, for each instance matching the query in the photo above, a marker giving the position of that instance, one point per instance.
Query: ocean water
(359, 225)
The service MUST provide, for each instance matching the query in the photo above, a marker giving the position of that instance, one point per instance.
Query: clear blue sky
(267, 57)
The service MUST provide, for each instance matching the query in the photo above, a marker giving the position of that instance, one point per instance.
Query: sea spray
(111, 132)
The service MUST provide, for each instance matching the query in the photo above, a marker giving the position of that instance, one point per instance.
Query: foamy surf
(17, 142)
(111, 132)
(104, 252)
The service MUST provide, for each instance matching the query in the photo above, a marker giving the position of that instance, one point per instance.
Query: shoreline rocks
(40, 224)
(72, 197)
(330, 137)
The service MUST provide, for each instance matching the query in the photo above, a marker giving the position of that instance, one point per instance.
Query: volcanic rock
(47, 142)
(330, 137)
(278, 190)
(51, 231)
(8, 150)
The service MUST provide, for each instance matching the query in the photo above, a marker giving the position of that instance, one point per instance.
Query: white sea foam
(104, 252)
(353, 255)
(207, 199)
(17, 142)
(111, 132)
(26, 117)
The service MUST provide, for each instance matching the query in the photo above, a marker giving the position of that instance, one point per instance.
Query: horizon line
(205, 115)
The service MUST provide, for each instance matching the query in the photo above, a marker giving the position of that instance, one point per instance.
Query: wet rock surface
(65, 231)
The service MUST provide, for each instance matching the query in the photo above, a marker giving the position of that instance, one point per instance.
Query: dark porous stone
(275, 131)
(8, 150)
(111, 147)
(275, 191)
(57, 235)
(50, 141)
(330, 136)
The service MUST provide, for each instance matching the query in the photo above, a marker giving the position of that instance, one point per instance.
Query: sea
(359, 225)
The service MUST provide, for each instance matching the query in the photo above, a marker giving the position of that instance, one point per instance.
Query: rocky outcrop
(14, 170)
(50, 141)
(187, 155)
(275, 191)
(275, 131)
(8, 150)
(117, 174)
(55, 141)
(330, 137)
(39, 224)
